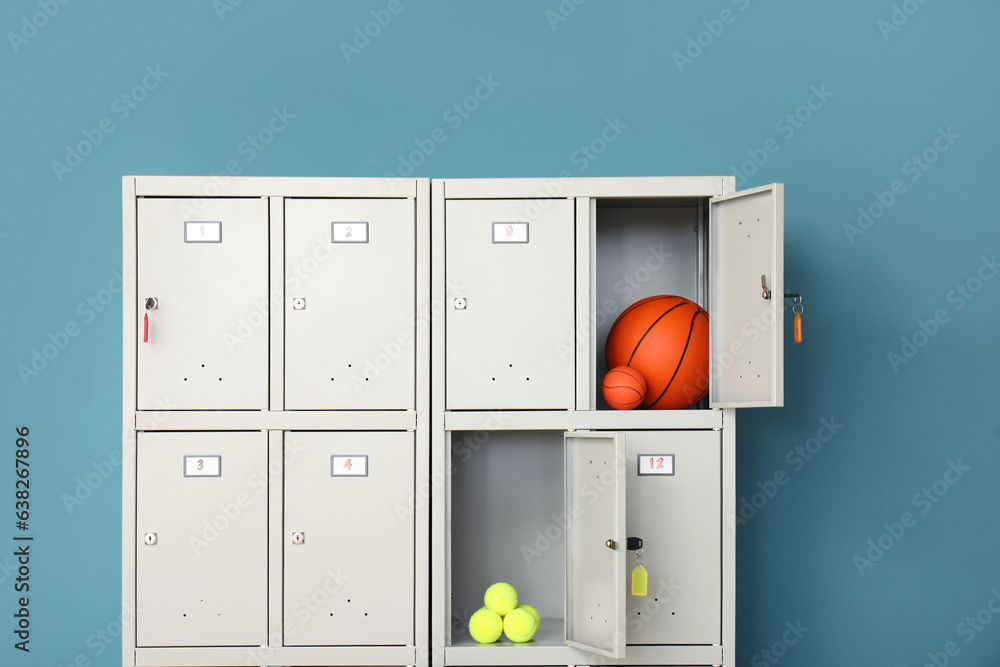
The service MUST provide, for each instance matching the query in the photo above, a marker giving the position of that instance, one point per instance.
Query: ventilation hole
(510, 365)
(638, 613)
(220, 379)
(366, 379)
(348, 365)
(656, 599)
(185, 379)
(366, 613)
(527, 379)
(348, 599)
(203, 365)
(494, 379)
(184, 615)
(331, 613)
(331, 379)
(673, 613)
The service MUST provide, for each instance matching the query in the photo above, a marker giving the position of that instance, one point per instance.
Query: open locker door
(596, 544)
(746, 298)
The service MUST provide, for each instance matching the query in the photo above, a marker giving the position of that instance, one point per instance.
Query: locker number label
(202, 232)
(203, 466)
(348, 466)
(350, 232)
(510, 232)
(656, 464)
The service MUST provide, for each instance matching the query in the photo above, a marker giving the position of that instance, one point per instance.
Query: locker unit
(544, 489)
(275, 391)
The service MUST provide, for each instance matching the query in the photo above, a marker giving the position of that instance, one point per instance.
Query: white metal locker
(678, 517)
(201, 552)
(349, 539)
(596, 542)
(349, 304)
(510, 304)
(746, 298)
(203, 308)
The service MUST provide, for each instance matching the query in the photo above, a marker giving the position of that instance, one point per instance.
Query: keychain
(798, 318)
(639, 575)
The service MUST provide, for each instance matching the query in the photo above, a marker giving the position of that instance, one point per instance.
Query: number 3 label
(203, 466)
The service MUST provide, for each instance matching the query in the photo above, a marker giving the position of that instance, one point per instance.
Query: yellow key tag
(639, 580)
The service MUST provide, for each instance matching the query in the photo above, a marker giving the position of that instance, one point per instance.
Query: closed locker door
(201, 556)
(202, 324)
(349, 539)
(350, 299)
(510, 304)
(674, 502)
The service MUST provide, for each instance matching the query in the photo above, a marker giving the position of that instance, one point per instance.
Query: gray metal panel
(507, 520)
(351, 581)
(265, 186)
(263, 656)
(583, 419)
(352, 346)
(679, 520)
(301, 420)
(595, 572)
(208, 338)
(128, 414)
(276, 206)
(642, 251)
(513, 345)
(204, 582)
(747, 332)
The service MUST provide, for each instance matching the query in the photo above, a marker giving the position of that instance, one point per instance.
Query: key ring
(797, 304)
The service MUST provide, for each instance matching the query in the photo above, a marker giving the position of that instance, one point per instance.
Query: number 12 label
(656, 464)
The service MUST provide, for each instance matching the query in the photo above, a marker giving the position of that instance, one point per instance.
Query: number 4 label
(656, 464)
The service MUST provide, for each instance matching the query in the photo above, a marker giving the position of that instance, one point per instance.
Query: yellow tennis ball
(501, 598)
(520, 625)
(486, 626)
(534, 612)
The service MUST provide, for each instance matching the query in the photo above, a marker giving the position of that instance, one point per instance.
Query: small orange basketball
(623, 388)
(665, 338)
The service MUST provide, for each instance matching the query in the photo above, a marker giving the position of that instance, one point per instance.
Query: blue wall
(836, 100)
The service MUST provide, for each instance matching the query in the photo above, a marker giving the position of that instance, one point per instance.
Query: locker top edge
(275, 186)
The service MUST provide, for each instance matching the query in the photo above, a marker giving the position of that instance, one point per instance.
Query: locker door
(205, 344)
(675, 505)
(746, 298)
(510, 304)
(201, 553)
(350, 299)
(595, 542)
(349, 539)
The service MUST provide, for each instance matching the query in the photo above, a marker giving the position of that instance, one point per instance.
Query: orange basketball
(623, 388)
(665, 338)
